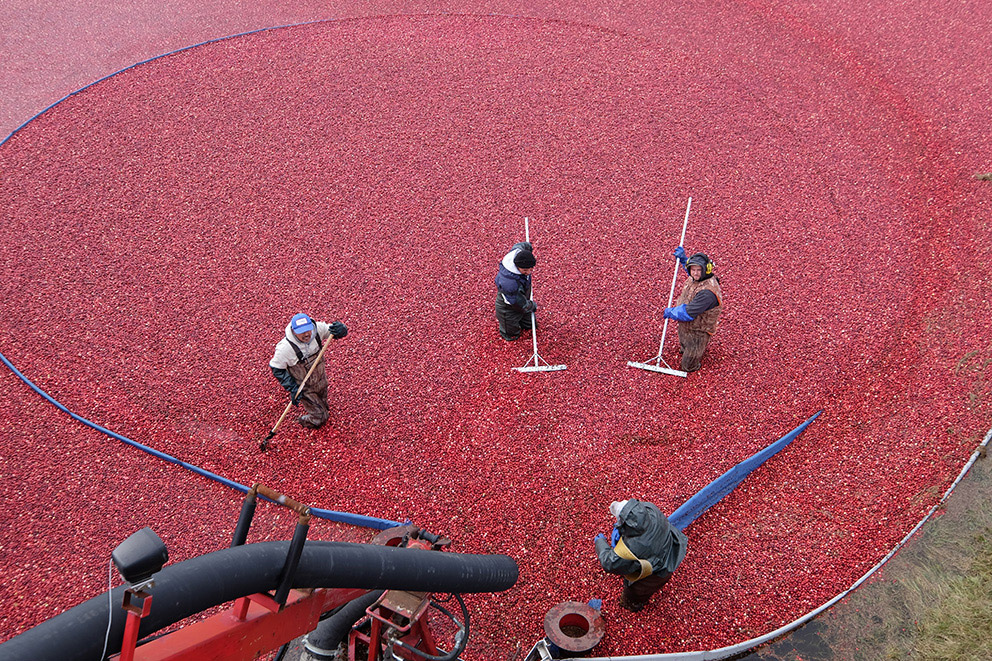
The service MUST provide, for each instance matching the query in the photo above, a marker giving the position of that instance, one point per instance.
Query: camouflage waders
(695, 335)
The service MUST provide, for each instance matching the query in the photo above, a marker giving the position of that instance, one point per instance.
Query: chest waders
(694, 336)
(314, 400)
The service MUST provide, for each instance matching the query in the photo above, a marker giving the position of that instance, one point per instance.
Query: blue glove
(615, 536)
(680, 255)
(599, 537)
(677, 313)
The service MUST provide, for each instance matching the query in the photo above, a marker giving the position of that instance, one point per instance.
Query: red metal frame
(134, 615)
(389, 612)
(253, 625)
(258, 623)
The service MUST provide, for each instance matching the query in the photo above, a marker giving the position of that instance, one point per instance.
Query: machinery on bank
(368, 602)
(354, 602)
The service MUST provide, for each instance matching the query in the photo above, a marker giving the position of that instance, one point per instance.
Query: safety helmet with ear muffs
(701, 260)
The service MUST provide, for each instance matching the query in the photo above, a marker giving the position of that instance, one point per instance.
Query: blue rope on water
(330, 515)
(157, 57)
(713, 492)
(290, 25)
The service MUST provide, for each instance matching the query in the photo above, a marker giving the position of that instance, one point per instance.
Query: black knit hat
(524, 260)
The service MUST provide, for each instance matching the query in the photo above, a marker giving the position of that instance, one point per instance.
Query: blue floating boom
(349, 518)
(714, 492)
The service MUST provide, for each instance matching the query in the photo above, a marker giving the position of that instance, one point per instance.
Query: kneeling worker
(647, 550)
(513, 291)
(697, 309)
(293, 357)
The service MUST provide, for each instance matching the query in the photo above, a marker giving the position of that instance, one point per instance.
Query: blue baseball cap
(300, 324)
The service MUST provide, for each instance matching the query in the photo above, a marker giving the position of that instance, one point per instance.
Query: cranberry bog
(161, 226)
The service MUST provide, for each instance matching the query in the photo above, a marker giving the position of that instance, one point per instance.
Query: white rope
(110, 607)
(733, 650)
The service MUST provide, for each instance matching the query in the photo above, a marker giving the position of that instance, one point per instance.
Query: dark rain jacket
(646, 532)
(513, 287)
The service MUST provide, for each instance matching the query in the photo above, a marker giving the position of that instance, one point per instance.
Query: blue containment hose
(713, 492)
(329, 515)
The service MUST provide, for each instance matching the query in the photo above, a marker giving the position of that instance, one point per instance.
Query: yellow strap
(625, 553)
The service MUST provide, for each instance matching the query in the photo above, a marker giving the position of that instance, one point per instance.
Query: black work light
(140, 555)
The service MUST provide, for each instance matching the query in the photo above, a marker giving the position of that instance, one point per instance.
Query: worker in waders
(697, 309)
(513, 291)
(293, 357)
(646, 550)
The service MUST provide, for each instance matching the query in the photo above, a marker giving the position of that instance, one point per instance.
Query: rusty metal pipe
(574, 627)
(285, 501)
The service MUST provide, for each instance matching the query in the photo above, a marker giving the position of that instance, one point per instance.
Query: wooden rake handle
(298, 391)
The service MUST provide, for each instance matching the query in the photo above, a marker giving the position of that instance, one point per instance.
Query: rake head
(657, 368)
(538, 364)
(542, 368)
(264, 445)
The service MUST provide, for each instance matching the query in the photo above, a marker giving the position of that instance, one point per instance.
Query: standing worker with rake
(697, 309)
(294, 359)
(513, 296)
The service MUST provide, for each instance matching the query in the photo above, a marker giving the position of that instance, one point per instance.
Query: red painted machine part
(252, 626)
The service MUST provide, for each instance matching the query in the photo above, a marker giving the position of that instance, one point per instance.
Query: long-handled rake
(658, 360)
(536, 358)
(265, 442)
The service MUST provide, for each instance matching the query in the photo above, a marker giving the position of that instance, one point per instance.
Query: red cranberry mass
(161, 227)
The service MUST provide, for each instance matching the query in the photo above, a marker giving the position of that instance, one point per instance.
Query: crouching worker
(513, 291)
(647, 550)
(293, 358)
(697, 309)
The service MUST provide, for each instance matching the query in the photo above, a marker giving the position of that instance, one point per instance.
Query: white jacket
(284, 355)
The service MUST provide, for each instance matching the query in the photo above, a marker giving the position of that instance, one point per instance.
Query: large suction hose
(322, 642)
(216, 578)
